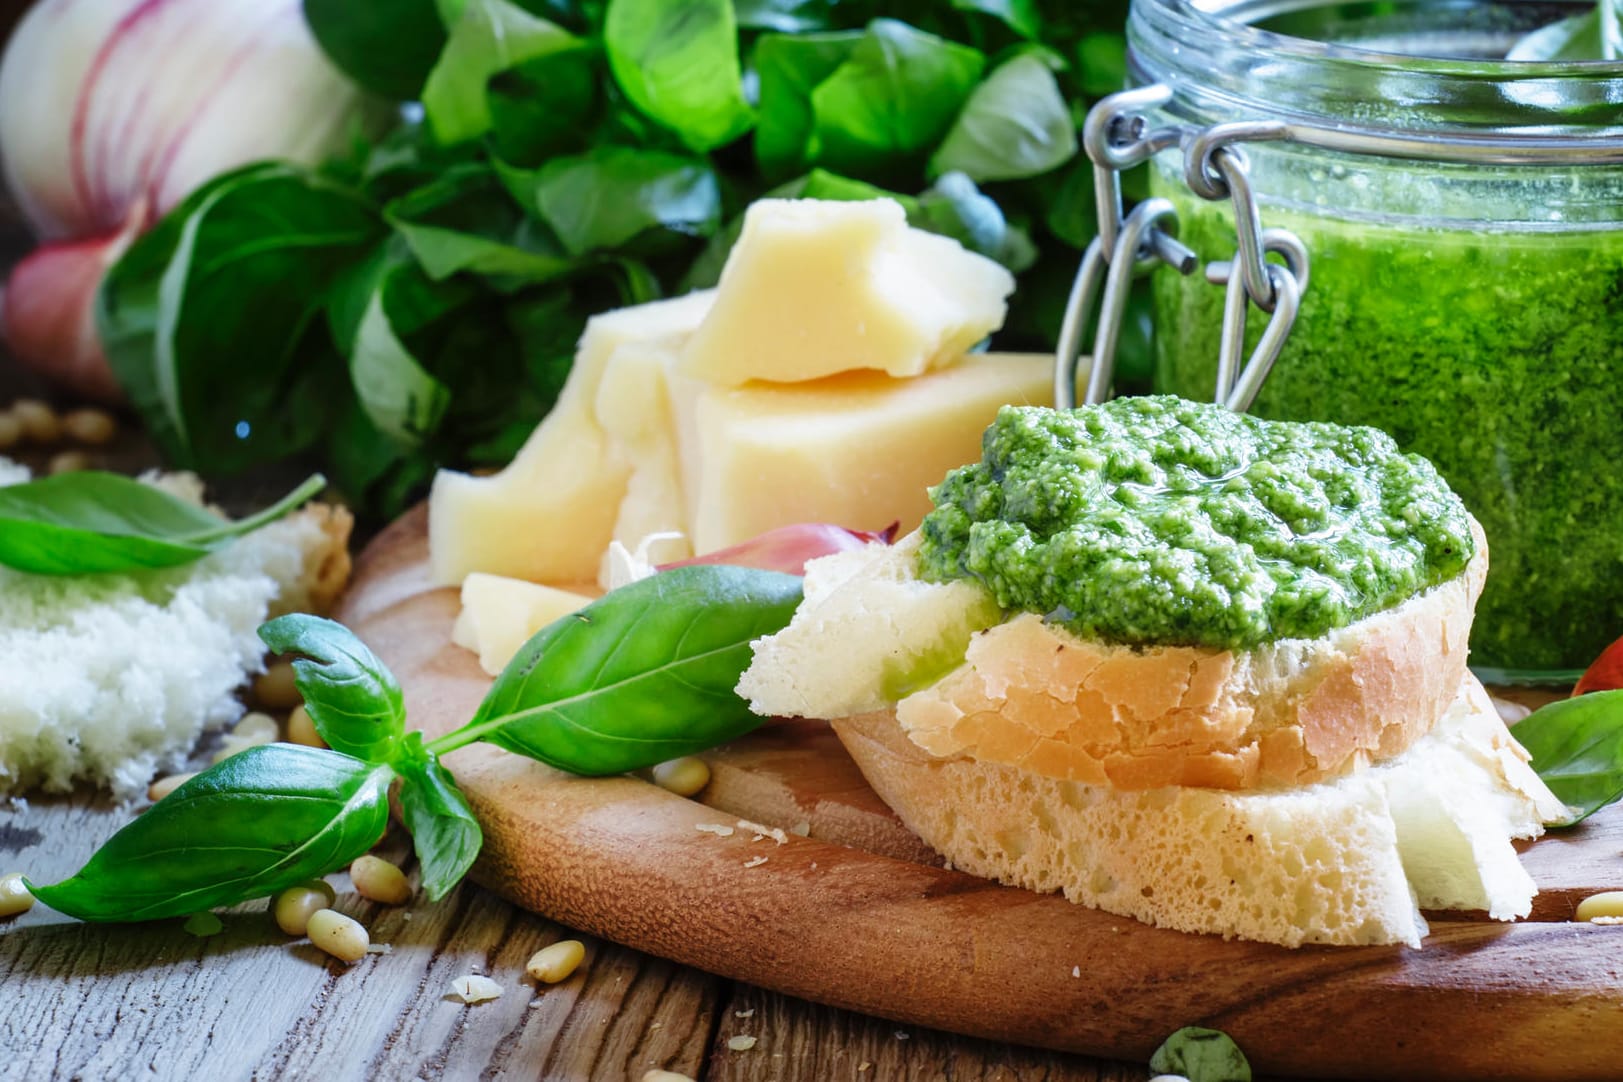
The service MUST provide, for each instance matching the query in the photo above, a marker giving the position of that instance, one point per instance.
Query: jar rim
(1257, 72)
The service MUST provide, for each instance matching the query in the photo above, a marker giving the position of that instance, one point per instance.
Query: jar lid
(1411, 78)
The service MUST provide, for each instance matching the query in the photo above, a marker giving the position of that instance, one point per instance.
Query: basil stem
(643, 674)
(90, 521)
(351, 696)
(259, 822)
(1577, 748)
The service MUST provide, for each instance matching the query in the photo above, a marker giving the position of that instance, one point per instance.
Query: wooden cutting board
(860, 914)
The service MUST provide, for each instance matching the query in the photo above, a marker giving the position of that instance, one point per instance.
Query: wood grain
(926, 946)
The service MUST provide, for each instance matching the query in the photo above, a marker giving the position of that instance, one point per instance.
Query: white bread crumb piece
(112, 679)
(761, 832)
(475, 989)
(718, 829)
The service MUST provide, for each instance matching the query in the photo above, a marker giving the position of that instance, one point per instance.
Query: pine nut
(294, 906)
(684, 776)
(302, 730)
(741, 1043)
(92, 426)
(256, 728)
(657, 1075)
(377, 879)
(338, 935)
(275, 689)
(1606, 904)
(39, 421)
(11, 431)
(14, 896)
(68, 462)
(556, 962)
(166, 785)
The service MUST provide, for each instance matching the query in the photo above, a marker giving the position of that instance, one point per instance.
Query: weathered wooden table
(153, 1002)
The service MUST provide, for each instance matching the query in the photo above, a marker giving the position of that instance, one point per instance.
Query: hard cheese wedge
(499, 615)
(815, 288)
(858, 449)
(550, 514)
(633, 405)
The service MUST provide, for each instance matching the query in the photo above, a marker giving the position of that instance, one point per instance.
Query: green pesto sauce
(1497, 355)
(1166, 521)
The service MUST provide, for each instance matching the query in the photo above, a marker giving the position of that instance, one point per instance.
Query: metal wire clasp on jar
(1117, 137)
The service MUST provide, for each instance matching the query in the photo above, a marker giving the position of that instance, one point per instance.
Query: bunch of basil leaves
(642, 675)
(417, 304)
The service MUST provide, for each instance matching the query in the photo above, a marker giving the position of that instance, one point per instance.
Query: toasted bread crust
(1033, 696)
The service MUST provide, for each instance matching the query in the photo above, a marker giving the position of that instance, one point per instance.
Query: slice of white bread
(1032, 695)
(109, 679)
(1350, 861)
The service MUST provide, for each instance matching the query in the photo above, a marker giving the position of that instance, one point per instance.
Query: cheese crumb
(863, 1066)
(755, 862)
(1606, 920)
(741, 1044)
(475, 989)
(379, 948)
(717, 829)
(902, 1035)
(1076, 971)
(745, 1014)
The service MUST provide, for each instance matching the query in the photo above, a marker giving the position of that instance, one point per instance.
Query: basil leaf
(489, 36)
(610, 196)
(677, 62)
(545, 106)
(892, 99)
(1018, 15)
(443, 830)
(466, 222)
(388, 46)
(1577, 748)
(644, 674)
(90, 521)
(205, 318)
(259, 822)
(955, 208)
(351, 696)
(785, 16)
(1016, 124)
(1201, 1055)
(789, 68)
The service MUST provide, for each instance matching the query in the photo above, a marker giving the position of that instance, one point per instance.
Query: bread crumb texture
(1348, 861)
(110, 679)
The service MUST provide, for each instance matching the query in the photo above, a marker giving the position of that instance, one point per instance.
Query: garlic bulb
(112, 111)
(106, 104)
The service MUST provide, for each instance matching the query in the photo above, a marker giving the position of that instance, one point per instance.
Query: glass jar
(1472, 308)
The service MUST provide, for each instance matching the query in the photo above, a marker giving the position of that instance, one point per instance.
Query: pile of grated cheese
(112, 678)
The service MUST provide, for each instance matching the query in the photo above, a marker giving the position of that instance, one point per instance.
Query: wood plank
(927, 946)
(798, 1040)
(109, 1001)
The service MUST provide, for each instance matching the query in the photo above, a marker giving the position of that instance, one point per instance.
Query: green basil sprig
(1577, 748)
(644, 674)
(259, 822)
(90, 521)
(1201, 1055)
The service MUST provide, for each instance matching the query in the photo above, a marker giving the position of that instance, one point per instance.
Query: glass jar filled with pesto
(1463, 214)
